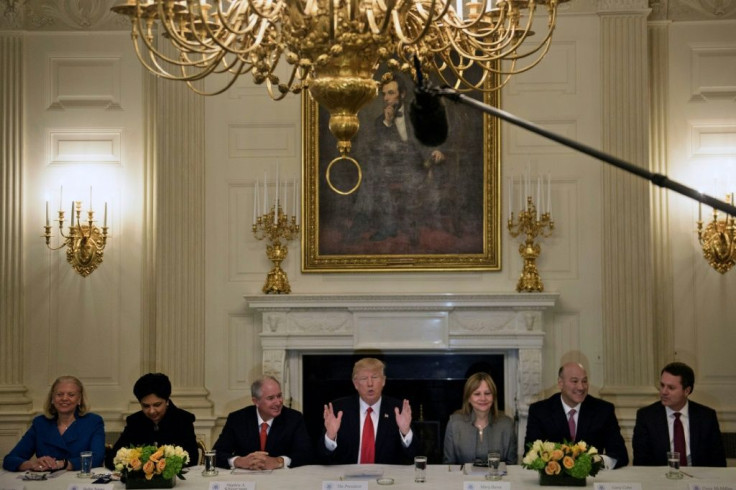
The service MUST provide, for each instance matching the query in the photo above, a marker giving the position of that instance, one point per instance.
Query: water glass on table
(673, 465)
(210, 468)
(85, 470)
(494, 463)
(420, 469)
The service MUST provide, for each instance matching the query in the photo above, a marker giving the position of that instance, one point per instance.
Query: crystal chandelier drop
(333, 48)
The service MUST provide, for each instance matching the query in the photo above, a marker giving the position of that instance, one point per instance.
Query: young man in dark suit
(654, 432)
(388, 438)
(266, 435)
(573, 415)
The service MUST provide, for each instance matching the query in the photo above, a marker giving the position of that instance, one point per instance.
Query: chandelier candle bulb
(104, 223)
(549, 193)
(265, 193)
(90, 198)
(61, 194)
(286, 196)
(511, 193)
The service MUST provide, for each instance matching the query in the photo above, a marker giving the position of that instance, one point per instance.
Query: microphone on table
(427, 112)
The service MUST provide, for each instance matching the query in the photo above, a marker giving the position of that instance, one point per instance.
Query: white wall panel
(83, 81)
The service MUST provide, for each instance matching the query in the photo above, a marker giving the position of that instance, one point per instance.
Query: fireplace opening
(433, 384)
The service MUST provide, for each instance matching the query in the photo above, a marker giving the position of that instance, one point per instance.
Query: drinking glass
(420, 469)
(673, 465)
(210, 469)
(494, 462)
(86, 464)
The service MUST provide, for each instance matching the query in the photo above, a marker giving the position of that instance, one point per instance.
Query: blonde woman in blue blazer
(478, 427)
(66, 428)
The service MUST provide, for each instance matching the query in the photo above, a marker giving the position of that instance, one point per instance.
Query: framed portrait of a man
(417, 207)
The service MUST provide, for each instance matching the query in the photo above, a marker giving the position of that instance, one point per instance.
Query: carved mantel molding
(510, 324)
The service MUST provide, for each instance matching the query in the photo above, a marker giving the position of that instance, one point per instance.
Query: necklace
(480, 428)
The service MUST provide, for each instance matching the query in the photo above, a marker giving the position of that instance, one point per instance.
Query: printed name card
(715, 485)
(344, 485)
(232, 485)
(486, 485)
(87, 486)
(617, 486)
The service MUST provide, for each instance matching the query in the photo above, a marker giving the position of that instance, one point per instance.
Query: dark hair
(685, 372)
(400, 84)
(152, 383)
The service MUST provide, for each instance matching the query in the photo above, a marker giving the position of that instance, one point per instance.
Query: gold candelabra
(276, 225)
(531, 226)
(718, 239)
(84, 243)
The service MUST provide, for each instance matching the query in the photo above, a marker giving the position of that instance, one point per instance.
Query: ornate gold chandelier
(334, 47)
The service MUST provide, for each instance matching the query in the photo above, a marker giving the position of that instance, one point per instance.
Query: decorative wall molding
(712, 66)
(84, 81)
(84, 146)
(262, 139)
(713, 138)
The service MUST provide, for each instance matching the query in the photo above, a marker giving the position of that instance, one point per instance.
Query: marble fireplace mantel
(507, 323)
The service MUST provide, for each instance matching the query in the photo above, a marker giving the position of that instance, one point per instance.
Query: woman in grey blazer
(477, 427)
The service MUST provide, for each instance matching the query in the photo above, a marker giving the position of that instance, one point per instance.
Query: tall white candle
(549, 194)
(265, 194)
(539, 193)
(255, 201)
(90, 198)
(72, 222)
(277, 184)
(293, 206)
(286, 196)
(510, 199)
(47, 213)
(298, 202)
(61, 197)
(104, 223)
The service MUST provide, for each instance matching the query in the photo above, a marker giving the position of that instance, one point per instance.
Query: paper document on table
(471, 469)
(363, 472)
(243, 471)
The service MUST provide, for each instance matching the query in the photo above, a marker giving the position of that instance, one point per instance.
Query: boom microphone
(427, 112)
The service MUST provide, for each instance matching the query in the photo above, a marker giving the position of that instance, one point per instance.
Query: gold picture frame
(417, 211)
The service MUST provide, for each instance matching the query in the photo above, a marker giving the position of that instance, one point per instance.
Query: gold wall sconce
(718, 239)
(533, 222)
(84, 242)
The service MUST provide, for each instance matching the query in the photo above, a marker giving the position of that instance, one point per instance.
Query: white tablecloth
(442, 477)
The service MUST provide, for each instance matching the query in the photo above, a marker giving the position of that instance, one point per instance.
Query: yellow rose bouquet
(554, 459)
(150, 463)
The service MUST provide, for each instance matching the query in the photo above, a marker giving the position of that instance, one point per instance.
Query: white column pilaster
(12, 389)
(628, 296)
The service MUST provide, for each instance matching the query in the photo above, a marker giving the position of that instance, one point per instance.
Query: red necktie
(264, 434)
(368, 441)
(571, 424)
(678, 434)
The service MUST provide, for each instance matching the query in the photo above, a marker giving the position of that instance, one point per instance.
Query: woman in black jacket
(158, 422)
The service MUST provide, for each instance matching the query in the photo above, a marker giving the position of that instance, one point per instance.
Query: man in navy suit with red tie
(574, 415)
(266, 435)
(368, 428)
(677, 424)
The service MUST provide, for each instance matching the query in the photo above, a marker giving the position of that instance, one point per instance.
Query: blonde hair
(48, 407)
(370, 364)
(471, 385)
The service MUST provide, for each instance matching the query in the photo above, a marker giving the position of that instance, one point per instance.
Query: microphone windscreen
(429, 118)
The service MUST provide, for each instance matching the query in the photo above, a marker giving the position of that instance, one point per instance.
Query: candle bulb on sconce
(531, 224)
(84, 243)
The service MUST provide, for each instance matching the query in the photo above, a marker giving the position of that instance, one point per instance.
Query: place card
(232, 485)
(486, 485)
(87, 486)
(344, 485)
(715, 485)
(617, 486)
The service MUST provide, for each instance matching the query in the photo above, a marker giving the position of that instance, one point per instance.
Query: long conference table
(443, 477)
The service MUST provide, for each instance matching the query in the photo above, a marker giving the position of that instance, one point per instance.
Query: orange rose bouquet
(578, 460)
(150, 461)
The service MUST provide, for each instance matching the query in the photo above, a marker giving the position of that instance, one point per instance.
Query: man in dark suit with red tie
(368, 428)
(266, 435)
(677, 424)
(574, 415)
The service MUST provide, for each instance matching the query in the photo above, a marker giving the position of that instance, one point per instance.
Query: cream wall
(100, 327)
